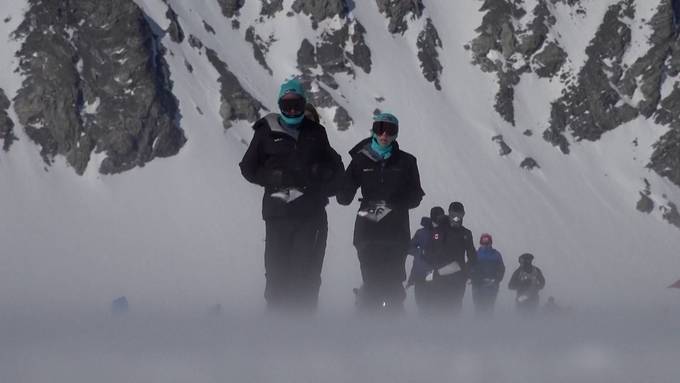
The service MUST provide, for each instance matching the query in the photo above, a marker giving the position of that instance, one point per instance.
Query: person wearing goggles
(390, 185)
(291, 158)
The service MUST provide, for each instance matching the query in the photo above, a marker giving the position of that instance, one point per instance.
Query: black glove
(279, 178)
(320, 173)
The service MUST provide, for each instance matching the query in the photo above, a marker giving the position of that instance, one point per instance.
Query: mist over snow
(181, 234)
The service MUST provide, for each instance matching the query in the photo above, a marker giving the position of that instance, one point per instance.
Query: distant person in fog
(390, 185)
(291, 158)
(486, 276)
(527, 280)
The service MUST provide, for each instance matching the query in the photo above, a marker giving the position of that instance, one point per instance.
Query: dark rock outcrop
(594, 106)
(361, 54)
(174, 29)
(337, 51)
(666, 156)
(428, 42)
(306, 56)
(549, 61)
(6, 124)
(671, 214)
(195, 42)
(260, 47)
(503, 148)
(320, 10)
(645, 204)
(331, 52)
(342, 118)
(642, 81)
(529, 164)
(505, 47)
(271, 7)
(237, 103)
(208, 28)
(96, 80)
(230, 8)
(397, 11)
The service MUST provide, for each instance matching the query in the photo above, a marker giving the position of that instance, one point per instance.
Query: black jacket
(455, 245)
(276, 160)
(395, 180)
(527, 281)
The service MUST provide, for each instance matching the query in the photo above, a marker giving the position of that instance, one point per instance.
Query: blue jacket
(419, 243)
(489, 266)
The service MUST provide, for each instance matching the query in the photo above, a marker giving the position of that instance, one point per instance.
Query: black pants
(441, 294)
(293, 259)
(484, 298)
(383, 271)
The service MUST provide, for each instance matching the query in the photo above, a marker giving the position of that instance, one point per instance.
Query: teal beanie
(386, 117)
(292, 86)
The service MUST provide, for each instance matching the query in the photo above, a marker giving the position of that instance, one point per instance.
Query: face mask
(456, 219)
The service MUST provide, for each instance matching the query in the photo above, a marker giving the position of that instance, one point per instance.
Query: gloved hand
(280, 178)
(374, 210)
(320, 173)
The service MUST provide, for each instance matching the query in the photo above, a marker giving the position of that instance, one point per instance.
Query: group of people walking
(291, 157)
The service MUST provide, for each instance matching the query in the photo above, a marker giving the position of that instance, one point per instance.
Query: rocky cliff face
(616, 84)
(236, 102)
(513, 41)
(95, 80)
(6, 124)
(230, 8)
(320, 10)
(398, 11)
(606, 91)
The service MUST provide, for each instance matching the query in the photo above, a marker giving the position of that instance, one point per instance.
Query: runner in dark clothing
(290, 156)
(390, 186)
(527, 280)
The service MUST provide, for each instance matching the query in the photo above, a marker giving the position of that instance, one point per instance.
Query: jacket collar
(364, 148)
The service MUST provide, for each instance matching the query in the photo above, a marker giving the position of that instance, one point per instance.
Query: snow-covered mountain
(554, 121)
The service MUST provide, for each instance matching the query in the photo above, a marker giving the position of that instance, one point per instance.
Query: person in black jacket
(290, 156)
(390, 186)
(451, 258)
(527, 280)
(423, 243)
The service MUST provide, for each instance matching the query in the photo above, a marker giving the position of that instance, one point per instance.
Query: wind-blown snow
(183, 233)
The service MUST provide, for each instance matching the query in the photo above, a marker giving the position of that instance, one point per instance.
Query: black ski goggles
(380, 127)
(292, 106)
